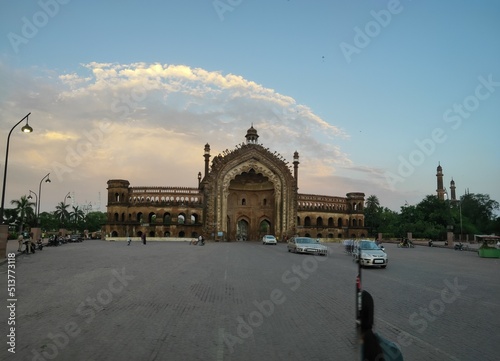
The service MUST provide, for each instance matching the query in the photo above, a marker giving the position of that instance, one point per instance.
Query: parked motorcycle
(406, 243)
(53, 242)
(39, 245)
(459, 247)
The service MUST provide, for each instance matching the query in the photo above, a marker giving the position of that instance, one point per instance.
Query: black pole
(2, 221)
(40, 198)
(358, 289)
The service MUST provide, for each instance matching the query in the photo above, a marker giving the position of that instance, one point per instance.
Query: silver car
(371, 254)
(306, 245)
(269, 239)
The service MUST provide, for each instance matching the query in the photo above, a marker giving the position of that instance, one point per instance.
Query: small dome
(252, 135)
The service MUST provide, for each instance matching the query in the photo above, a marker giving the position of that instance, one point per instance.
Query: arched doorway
(265, 228)
(242, 230)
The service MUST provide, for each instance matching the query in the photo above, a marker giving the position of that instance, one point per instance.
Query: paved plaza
(100, 300)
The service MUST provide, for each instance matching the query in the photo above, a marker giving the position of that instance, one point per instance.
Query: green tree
(373, 213)
(24, 211)
(389, 221)
(478, 213)
(62, 214)
(49, 222)
(76, 215)
(95, 221)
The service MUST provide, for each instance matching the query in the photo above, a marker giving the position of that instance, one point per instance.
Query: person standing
(143, 237)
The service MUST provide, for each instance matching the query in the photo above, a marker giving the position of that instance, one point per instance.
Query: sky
(373, 95)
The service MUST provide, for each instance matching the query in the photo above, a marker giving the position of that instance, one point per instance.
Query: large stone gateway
(245, 193)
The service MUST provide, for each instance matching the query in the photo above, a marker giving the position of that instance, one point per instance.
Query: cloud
(149, 123)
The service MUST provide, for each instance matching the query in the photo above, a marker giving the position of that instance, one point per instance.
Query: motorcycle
(53, 242)
(39, 245)
(406, 243)
(459, 247)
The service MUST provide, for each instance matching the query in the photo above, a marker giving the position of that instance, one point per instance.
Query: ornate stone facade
(245, 193)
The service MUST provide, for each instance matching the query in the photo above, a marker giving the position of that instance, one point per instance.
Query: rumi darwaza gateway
(245, 193)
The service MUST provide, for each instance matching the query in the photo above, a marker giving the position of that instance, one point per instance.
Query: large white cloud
(149, 123)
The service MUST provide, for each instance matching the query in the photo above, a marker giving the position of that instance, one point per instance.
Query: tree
(49, 221)
(24, 211)
(478, 212)
(373, 214)
(95, 220)
(61, 213)
(77, 215)
(388, 222)
(472, 214)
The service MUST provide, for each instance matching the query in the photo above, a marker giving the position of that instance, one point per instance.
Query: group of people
(29, 243)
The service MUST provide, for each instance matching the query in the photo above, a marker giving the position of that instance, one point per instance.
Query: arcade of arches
(244, 193)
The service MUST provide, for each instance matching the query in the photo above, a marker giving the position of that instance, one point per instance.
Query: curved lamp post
(40, 195)
(36, 202)
(26, 129)
(64, 203)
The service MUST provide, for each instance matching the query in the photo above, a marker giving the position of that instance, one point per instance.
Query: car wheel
(289, 250)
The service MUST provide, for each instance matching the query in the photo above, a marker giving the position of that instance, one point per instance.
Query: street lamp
(64, 204)
(36, 201)
(26, 129)
(40, 195)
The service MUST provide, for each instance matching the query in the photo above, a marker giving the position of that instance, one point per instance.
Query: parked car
(76, 238)
(306, 245)
(371, 254)
(269, 239)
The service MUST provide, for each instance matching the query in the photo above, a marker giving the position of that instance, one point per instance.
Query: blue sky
(372, 94)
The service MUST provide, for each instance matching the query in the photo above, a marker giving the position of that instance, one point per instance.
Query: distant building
(441, 190)
(245, 193)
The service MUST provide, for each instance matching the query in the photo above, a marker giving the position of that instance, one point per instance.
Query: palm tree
(24, 210)
(372, 214)
(372, 203)
(77, 215)
(61, 213)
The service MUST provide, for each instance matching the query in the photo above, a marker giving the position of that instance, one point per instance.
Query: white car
(306, 245)
(371, 254)
(269, 239)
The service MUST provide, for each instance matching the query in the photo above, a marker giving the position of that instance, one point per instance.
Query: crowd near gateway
(243, 194)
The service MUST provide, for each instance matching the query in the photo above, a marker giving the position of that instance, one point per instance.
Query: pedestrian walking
(128, 240)
(143, 237)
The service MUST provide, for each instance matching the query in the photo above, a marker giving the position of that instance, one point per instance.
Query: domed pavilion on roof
(245, 193)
